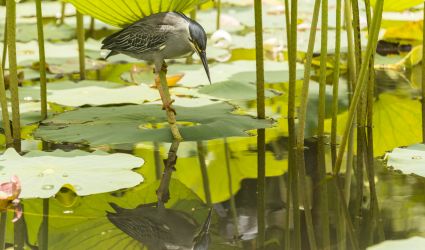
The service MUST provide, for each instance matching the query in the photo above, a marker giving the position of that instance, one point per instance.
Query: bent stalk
(163, 192)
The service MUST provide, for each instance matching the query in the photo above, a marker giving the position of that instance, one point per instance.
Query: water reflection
(161, 228)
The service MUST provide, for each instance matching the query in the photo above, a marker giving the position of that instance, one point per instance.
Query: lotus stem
(162, 86)
(63, 9)
(373, 36)
(218, 21)
(81, 41)
(163, 192)
(42, 55)
(232, 198)
(92, 27)
(204, 172)
(13, 72)
(4, 109)
(158, 161)
(44, 227)
(193, 14)
(335, 83)
(261, 138)
(300, 161)
(3, 222)
(423, 80)
(3, 60)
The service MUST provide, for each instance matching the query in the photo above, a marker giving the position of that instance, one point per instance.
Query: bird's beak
(203, 57)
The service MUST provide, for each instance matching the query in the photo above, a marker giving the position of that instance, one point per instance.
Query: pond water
(134, 189)
(220, 174)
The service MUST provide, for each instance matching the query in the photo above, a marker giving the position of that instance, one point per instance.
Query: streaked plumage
(167, 35)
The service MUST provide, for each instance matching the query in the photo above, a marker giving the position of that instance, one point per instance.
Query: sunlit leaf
(43, 174)
(396, 122)
(136, 123)
(398, 5)
(124, 12)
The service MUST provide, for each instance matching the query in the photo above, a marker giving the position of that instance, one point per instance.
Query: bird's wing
(138, 38)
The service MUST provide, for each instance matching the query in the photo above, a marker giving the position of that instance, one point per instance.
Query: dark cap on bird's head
(198, 38)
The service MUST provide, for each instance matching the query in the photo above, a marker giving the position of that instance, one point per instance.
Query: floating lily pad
(413, 243)
(26, 32)
(410, 160)
(124, 12)
(136, 123)
(232, 90)
(43, 174)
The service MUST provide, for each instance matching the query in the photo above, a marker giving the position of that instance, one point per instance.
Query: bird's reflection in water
(161, 228)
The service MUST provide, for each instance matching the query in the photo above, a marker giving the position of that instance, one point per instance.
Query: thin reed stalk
(232, 197)
(218, 21)
(204, 172)
(44, 227)
(3, 60)
(42, 56)
(13, 72)
(287, 236)
(3, 222)
(335, 83)
(4, 110)
(323, 221)
(157, 159)
(63, 9)
(423, 79)
(261, 138)
(300, 161)
(292, 53)
(360, 83)
(81, 45)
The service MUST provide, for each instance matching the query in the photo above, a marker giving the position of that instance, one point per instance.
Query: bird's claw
(168, 107)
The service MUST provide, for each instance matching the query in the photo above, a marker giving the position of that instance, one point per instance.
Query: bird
(160, 36)
(161, 228)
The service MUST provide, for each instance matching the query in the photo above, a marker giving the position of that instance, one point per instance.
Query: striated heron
(167, 35)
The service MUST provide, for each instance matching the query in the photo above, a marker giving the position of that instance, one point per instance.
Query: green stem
(193, 14)
(13, 72)
(204, 172)
(158, 160)
(218, 21)
(289, 173)
(291, 122)
(63, 8)
(3, 60)
(4, 109)
(92, 27)
(323, 193)
(335, 83)
(162, 86)
(42, 55)
(261, 114)
(232, 198)
(44, 227)
(19, 234)
(360, 84)
(423, 80)
(81, 41)
(300, 161)
(3, 222)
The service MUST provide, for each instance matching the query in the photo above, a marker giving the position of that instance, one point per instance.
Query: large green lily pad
(43, 174)
(124, 12)
(413, 243)
(135, 123)
(26, 32)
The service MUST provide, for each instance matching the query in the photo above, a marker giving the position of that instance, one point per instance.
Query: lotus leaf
(136, 123)
(43, 175)
(413, 243)
(124, 12)
(410, 160)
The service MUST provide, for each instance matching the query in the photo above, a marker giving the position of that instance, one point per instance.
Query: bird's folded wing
(138, 39)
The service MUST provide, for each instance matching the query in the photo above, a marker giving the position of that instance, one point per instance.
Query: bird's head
(198, 40)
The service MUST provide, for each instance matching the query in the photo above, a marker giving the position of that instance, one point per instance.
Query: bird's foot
(168, 107)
